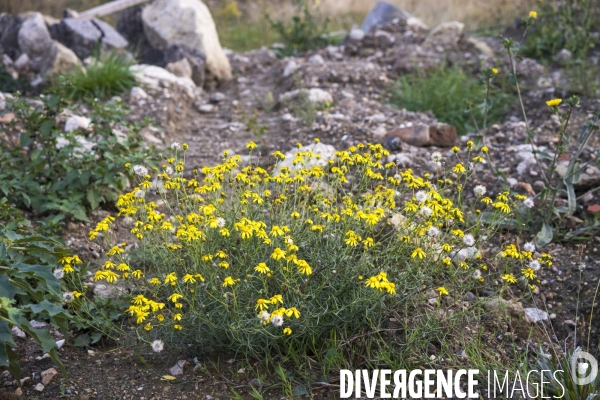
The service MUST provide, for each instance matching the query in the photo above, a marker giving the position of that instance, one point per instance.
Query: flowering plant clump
(253, 258)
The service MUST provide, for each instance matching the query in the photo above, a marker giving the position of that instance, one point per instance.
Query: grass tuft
(449, 93)
(103, 79)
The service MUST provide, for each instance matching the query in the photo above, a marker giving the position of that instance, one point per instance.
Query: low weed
(60, 174)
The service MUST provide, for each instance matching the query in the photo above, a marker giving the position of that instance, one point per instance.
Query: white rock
(206, 108)
(190, 23)
(22, 61)
(290, 68)
(414, 22)
(35, 41)
(77, 122)
(325, 151)
(157, 77)
(217, 97)
(39, 387)
(536, 315)
(38, 325)
(356, 34)
(316, 59)
(137, 93)
(445, 35)
(60, 343)
(177, 369)
(181, 68)
(18, 332)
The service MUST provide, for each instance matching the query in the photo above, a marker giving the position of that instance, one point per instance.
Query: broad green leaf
(544, 236)
(300, 390)
(6, 288)
(45, 307)
(46, 127)
(94, 198)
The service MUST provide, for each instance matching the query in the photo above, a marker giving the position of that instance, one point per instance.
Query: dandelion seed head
(157, 346)
(529, 247)
(479, 190)
(469, 240)
(277, 320)
(140, 170)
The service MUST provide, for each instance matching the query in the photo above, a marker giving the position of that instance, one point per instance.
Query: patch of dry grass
(474, 13)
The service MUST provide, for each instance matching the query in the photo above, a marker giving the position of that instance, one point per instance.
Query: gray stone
(181, 68)
(177, 369)
(217, 97)
(356, 34)
(189, 23)
(536, 315)
(84, 35)
(195, 58)
(9, 34)
(382, 14)
(563, 57)
(35, 41)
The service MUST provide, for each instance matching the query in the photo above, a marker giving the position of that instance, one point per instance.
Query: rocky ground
(339, 94)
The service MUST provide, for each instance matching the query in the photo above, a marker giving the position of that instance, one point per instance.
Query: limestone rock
(536, 315)
(77, 122)
(65, 61)
(315, 95)
(35, 41)
(195, 58)
(190, 23)
(445, 35)
(48, 375)
(157, 77)
(9, 34)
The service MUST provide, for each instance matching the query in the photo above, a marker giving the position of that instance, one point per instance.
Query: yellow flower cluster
(232, 240)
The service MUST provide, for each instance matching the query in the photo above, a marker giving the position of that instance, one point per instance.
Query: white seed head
(436, 156)
(535, 265)
(529, 247)
(479, 190)
(469, 240)
(277, 320)
(59, 273)
(68, 297)
(433, 231)
(140, 170)
(528, 203)
(425, 211)
(175, 146)
(263, 316)
(421, 196)
(157, 346)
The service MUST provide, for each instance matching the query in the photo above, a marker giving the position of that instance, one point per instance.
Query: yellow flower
(224, 264)
(187, 278)
(262, 304)
(295, 215)
(154, 281)
(484, 149)
(277, 299)
(455, 149)
(177, 327)
(177, 317)
(553, 102)
(510, 278)
(225, 232)
(228, 281)
(292, 311)
(368, 243)
(373, 282)
(418, 253)
(303, 267)
(532, 14)
(148, 327)
(446, 247)
(287, 331)
(494, 71)
(160, 318)
(458, 168)
(174, 297)
(251, 145)
(262, 268)
(529, 273)
(278, 254)
(137, 274)
(115, 250)
(442, 291)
